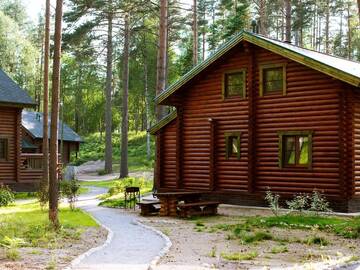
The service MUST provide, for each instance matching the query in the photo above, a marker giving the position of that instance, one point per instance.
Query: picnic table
(169, 200)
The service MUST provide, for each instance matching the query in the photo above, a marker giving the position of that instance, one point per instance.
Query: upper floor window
(3, 149)
(295, 149)
(234, 83)
(232, 144)
(272, 79)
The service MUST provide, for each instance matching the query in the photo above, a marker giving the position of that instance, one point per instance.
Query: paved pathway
(132, 246)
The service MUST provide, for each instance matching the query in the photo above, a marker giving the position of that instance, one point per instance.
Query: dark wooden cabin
(20, 150)
(258, 114)
(32, 130)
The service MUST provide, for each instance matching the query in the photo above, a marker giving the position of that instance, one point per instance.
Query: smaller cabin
(32, 136)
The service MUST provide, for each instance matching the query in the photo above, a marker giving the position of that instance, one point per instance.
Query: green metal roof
(163, 122)
(339, 68)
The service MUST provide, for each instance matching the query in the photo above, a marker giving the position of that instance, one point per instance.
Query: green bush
(273, 202)
(6, 195)
(318, 203)
(300, 202)
(70, 190)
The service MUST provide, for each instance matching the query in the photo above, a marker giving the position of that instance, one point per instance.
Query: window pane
(290, 150)
(234, 145)
(2, 149)
(234, 84)
(273, 79)
(304, 150)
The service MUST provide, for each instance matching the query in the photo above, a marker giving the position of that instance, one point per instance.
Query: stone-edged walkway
(131, 247)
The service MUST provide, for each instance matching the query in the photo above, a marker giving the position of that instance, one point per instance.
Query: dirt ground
(58, 257)
(202, 246)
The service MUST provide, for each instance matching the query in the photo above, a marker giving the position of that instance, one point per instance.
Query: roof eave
(163, 122)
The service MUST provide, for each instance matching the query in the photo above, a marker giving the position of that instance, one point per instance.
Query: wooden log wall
(313, 102)
(202, 101)
(8, 129)
(167, 176)
(356, 138)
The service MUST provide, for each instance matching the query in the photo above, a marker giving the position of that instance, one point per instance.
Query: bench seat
(201, 208)
(148, 207)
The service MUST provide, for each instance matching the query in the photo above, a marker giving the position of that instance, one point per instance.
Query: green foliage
(246, 236)
(279, 249)
(70, 190)
(317, 240)
(115, 196)
(345, 227)
(273, 202)
(25, 195)
(6, 195)
(94, 149)
(318, 203)
(299, 203)
(30, 224)
(246, 256)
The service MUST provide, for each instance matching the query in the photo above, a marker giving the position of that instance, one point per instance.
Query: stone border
(81, 257)
(163, 251)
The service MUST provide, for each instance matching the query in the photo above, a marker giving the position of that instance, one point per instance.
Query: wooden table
(169, 200)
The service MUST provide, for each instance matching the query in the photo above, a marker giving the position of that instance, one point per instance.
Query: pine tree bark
(53, 166)
(162, 55)
(262, 13)
(195, 34)
(327, 25)
(288, 21)
(124, 171)
(358, 2)
(349, 30)
(44, 184)
(108, 92)
(147, 104)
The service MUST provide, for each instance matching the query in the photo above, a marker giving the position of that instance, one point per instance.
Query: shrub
(70, 190)
(273, 202)
(239, 256)
(299, 203)
(318, 203)
(6, 195)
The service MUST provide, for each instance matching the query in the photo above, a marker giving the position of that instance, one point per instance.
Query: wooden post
(179, 149)
(212, 158)
(18, 145)
(252, 118)
(158, 160)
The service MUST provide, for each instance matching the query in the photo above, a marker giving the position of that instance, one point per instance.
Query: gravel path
(132, 246)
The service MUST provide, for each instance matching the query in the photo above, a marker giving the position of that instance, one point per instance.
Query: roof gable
(11, 93)
(33, 123)
(339, 68)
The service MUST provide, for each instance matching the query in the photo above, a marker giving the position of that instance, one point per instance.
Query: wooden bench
(202, 208)
(148, 207)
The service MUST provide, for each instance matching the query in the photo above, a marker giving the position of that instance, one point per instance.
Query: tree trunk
(44, 184)
(53, 166)
(349, 30)
(78, 101)
(147, 106)
(262, 13)
(327, 25)
(162, 55)
(195, 34)
(358, 2)
(108, 113)
(287, 21)
(124, 171)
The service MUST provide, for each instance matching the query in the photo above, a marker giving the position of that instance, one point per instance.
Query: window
(272, 79)
(232, 144)
(295, 149)
(3, 149)
(234, 84)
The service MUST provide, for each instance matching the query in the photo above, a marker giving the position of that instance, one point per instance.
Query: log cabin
(262, 114)
(20, 157)
(32, 136)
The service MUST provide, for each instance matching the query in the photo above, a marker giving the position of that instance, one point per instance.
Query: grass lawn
(94, 149)
(115, 196)
(29, 223)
